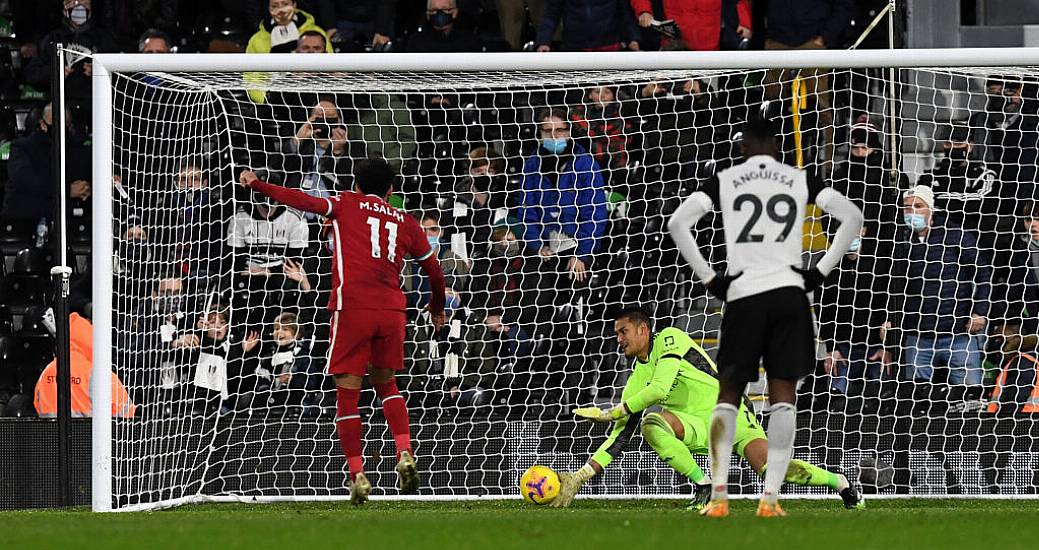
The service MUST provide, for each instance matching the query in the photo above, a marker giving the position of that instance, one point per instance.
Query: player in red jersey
(370, 240)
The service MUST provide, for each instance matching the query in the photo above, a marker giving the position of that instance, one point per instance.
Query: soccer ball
(539, 485)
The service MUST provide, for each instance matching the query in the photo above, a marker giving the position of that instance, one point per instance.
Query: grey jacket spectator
(588, 24)
(795, 22)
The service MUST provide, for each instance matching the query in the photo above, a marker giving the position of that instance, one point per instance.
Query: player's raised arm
(850, 217)
(289, 197)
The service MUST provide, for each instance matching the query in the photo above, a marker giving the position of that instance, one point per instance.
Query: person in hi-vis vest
(81, 362)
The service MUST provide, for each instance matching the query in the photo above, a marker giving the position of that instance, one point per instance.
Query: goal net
(547, 193)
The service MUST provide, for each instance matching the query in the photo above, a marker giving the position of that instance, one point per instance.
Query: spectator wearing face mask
(866, 176)
(1011, 132)
(80, 34)
(941, 298)
(150, 334)
(441, 33)
(563, 208)
(480, 197)
(280, 33)
(456, 269)
(965, 188)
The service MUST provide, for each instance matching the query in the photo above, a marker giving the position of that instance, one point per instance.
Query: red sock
(348, 426)
(396, 412)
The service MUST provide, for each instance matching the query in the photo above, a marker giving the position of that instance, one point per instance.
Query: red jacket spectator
(699, 21)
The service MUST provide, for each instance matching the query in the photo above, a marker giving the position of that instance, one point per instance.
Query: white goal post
(164, 459)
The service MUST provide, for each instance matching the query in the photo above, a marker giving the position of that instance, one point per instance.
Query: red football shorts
(366, 337)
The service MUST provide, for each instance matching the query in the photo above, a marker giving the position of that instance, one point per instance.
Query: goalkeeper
(672, 371)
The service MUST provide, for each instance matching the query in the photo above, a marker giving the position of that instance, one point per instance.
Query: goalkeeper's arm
(608, 450)
(289, 197)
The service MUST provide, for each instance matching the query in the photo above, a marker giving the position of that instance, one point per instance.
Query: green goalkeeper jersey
(678, 376)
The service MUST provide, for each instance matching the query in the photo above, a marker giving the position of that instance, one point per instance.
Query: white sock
(782, 424)
(723, 431)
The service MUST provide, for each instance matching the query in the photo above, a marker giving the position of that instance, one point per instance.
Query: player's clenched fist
(247, 178)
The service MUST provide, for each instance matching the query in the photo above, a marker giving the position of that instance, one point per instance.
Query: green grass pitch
(601, 525)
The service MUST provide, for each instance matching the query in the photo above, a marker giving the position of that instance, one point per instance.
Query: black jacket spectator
(854, 306)
(1012, 147)
(588, 24)
(29, 194)
(795, 22)
(967, 191)
(441, 33)
(1015, 297)
(87, 38)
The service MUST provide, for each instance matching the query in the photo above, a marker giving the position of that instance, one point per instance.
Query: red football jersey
(370, 240)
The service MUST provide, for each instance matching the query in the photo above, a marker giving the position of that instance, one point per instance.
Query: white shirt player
(763, 203)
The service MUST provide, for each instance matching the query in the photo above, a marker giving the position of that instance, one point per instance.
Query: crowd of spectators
(544, 208)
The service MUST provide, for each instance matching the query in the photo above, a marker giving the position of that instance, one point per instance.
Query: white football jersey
(763, 203)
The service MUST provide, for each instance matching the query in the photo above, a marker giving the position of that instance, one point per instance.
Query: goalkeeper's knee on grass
(658, 433)
(809, 475)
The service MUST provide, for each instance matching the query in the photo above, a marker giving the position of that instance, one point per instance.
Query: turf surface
(605, 525)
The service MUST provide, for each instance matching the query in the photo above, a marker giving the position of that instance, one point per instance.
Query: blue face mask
(554, 145)
(441, 19)
(915, 221)
(855, 244)
(452, 302)
(433, 241)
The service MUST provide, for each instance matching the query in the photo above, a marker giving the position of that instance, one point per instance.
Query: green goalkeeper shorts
(697, 438)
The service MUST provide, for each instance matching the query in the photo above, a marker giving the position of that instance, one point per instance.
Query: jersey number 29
(391, 239)
(788, 218)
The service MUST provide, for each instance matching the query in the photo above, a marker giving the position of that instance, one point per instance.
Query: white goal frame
(104, 65)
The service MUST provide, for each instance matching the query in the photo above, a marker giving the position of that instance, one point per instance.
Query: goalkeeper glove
(701, 494)
(719, 285)
(813, 278)
(595, 414)
(570, 484)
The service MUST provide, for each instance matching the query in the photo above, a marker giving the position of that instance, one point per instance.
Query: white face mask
(79, 15)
